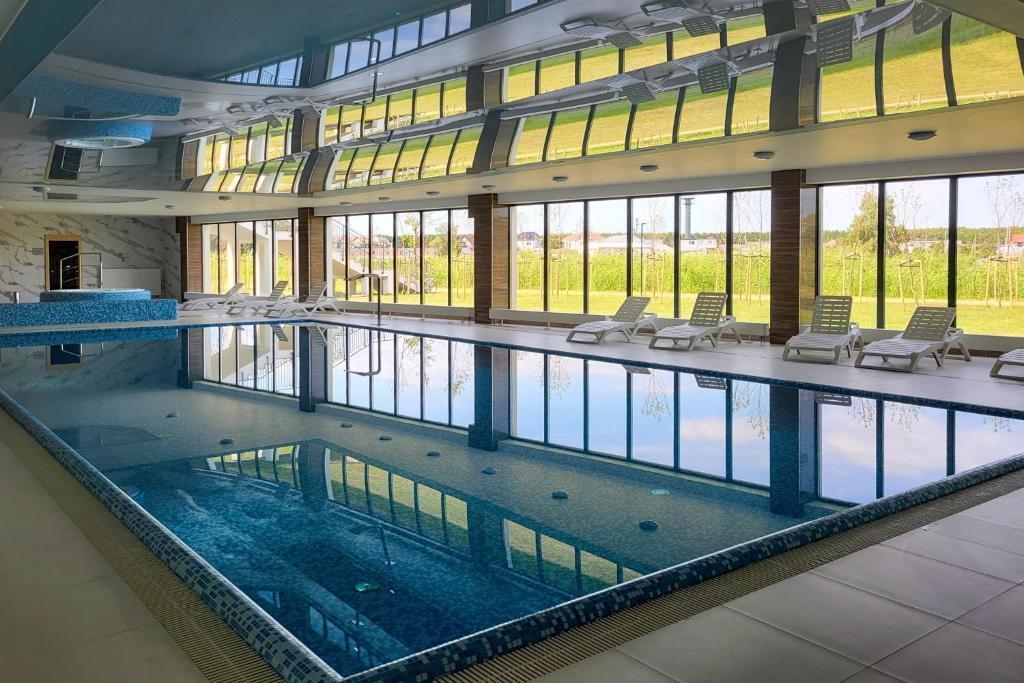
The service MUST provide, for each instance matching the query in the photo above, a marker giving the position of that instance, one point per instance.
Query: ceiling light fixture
(433, 193)
(696, 22)
(764, 154)
(487, 187)
(344, 203)
(224, 198)
(383, 199)
(649, 168)
(819, 7)
(560, 178)
(921, 135)
(617, 35)
(168, 206)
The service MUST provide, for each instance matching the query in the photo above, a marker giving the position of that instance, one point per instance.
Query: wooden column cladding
(312, 265)
(490, 255)
(190, 242)
(794, 254)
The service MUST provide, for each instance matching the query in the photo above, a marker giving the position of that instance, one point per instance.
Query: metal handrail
(99, 275)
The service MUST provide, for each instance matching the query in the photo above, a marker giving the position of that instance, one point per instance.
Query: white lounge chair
(706, 322)
(259, 304)
(316, 302)
(626, 320)
(928, 333)
(229, 298)
(830, 332)
(1012, 358)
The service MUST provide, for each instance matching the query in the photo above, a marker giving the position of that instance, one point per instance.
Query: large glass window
(654, 121)
(606, 235)
(915, 248)
(985, 60)
(435, 258)
(751, 255)
(753, 99)
(653, 50)
(428, 103)
(408, 37)
(464, 151)
(434, 28)
(400, 109)
(565, 257)
(454, 93)
(747, 28)
(608, 129)
(849, 245)
(383, 241)
(912, 69)
(462, 258)
(408, 286)
(521, 81)
(435, 162)
(358, 262)
(847, 89)
(557, 72)
(529, 144)
(990, 254)
(702, 233)
(702, 116)
(528, 257)
(255, 254)
(384, 165)
(409, 162)
(567, 133)
(598, 62)
(684, 45)
(653, 257)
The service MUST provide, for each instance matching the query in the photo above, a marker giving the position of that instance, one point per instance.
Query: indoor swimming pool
(380, 495)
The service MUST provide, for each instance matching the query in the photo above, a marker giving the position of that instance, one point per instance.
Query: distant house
(528, 241)
(913, 245)
(700, 246)
(574, 242)
(1014, 248)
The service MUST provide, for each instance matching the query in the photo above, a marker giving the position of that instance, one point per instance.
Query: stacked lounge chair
(232, 297)
(316, 302)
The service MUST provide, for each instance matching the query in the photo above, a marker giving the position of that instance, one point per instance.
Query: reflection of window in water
(752, 397)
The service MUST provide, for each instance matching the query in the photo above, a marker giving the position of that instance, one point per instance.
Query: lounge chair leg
(860, 359)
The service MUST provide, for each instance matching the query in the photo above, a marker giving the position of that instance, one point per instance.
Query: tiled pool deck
(945, 592)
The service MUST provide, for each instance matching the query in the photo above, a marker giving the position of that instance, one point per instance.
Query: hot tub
(95, 295)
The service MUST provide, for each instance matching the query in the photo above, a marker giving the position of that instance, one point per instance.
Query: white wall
(124, 242)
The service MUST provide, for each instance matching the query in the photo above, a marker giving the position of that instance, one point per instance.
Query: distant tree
(1007, 203)
(864, 226)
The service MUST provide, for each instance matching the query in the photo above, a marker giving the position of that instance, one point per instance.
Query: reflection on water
(355, 545)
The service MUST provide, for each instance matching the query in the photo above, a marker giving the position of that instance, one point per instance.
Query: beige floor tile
(957, 654)
(967, 554)
(1003, 615)
(145, 654)
(42, 621)
(808, 606)
(724, 645)
(920, 582)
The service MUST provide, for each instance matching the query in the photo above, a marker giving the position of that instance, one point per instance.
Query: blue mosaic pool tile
(75, 313)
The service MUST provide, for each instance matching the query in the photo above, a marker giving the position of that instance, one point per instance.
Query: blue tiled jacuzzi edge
(77, 312)
(296, 663)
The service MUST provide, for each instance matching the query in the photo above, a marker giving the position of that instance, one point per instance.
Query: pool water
(440, 488)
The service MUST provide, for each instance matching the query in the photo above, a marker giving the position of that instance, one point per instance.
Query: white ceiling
(972, 138)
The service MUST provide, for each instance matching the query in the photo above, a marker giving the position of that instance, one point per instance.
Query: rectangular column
(490, 255)
(794, 254)
(190, 241)
(311, 269)
(491, 413)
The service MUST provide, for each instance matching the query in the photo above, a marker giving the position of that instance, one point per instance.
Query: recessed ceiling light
(764, 155)
(921, 135)
(168, 206)
(344, 203)
(487, 187)
(560, 178)
(383, 199)
(649, 168)
(224, 198)
(433, 193)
